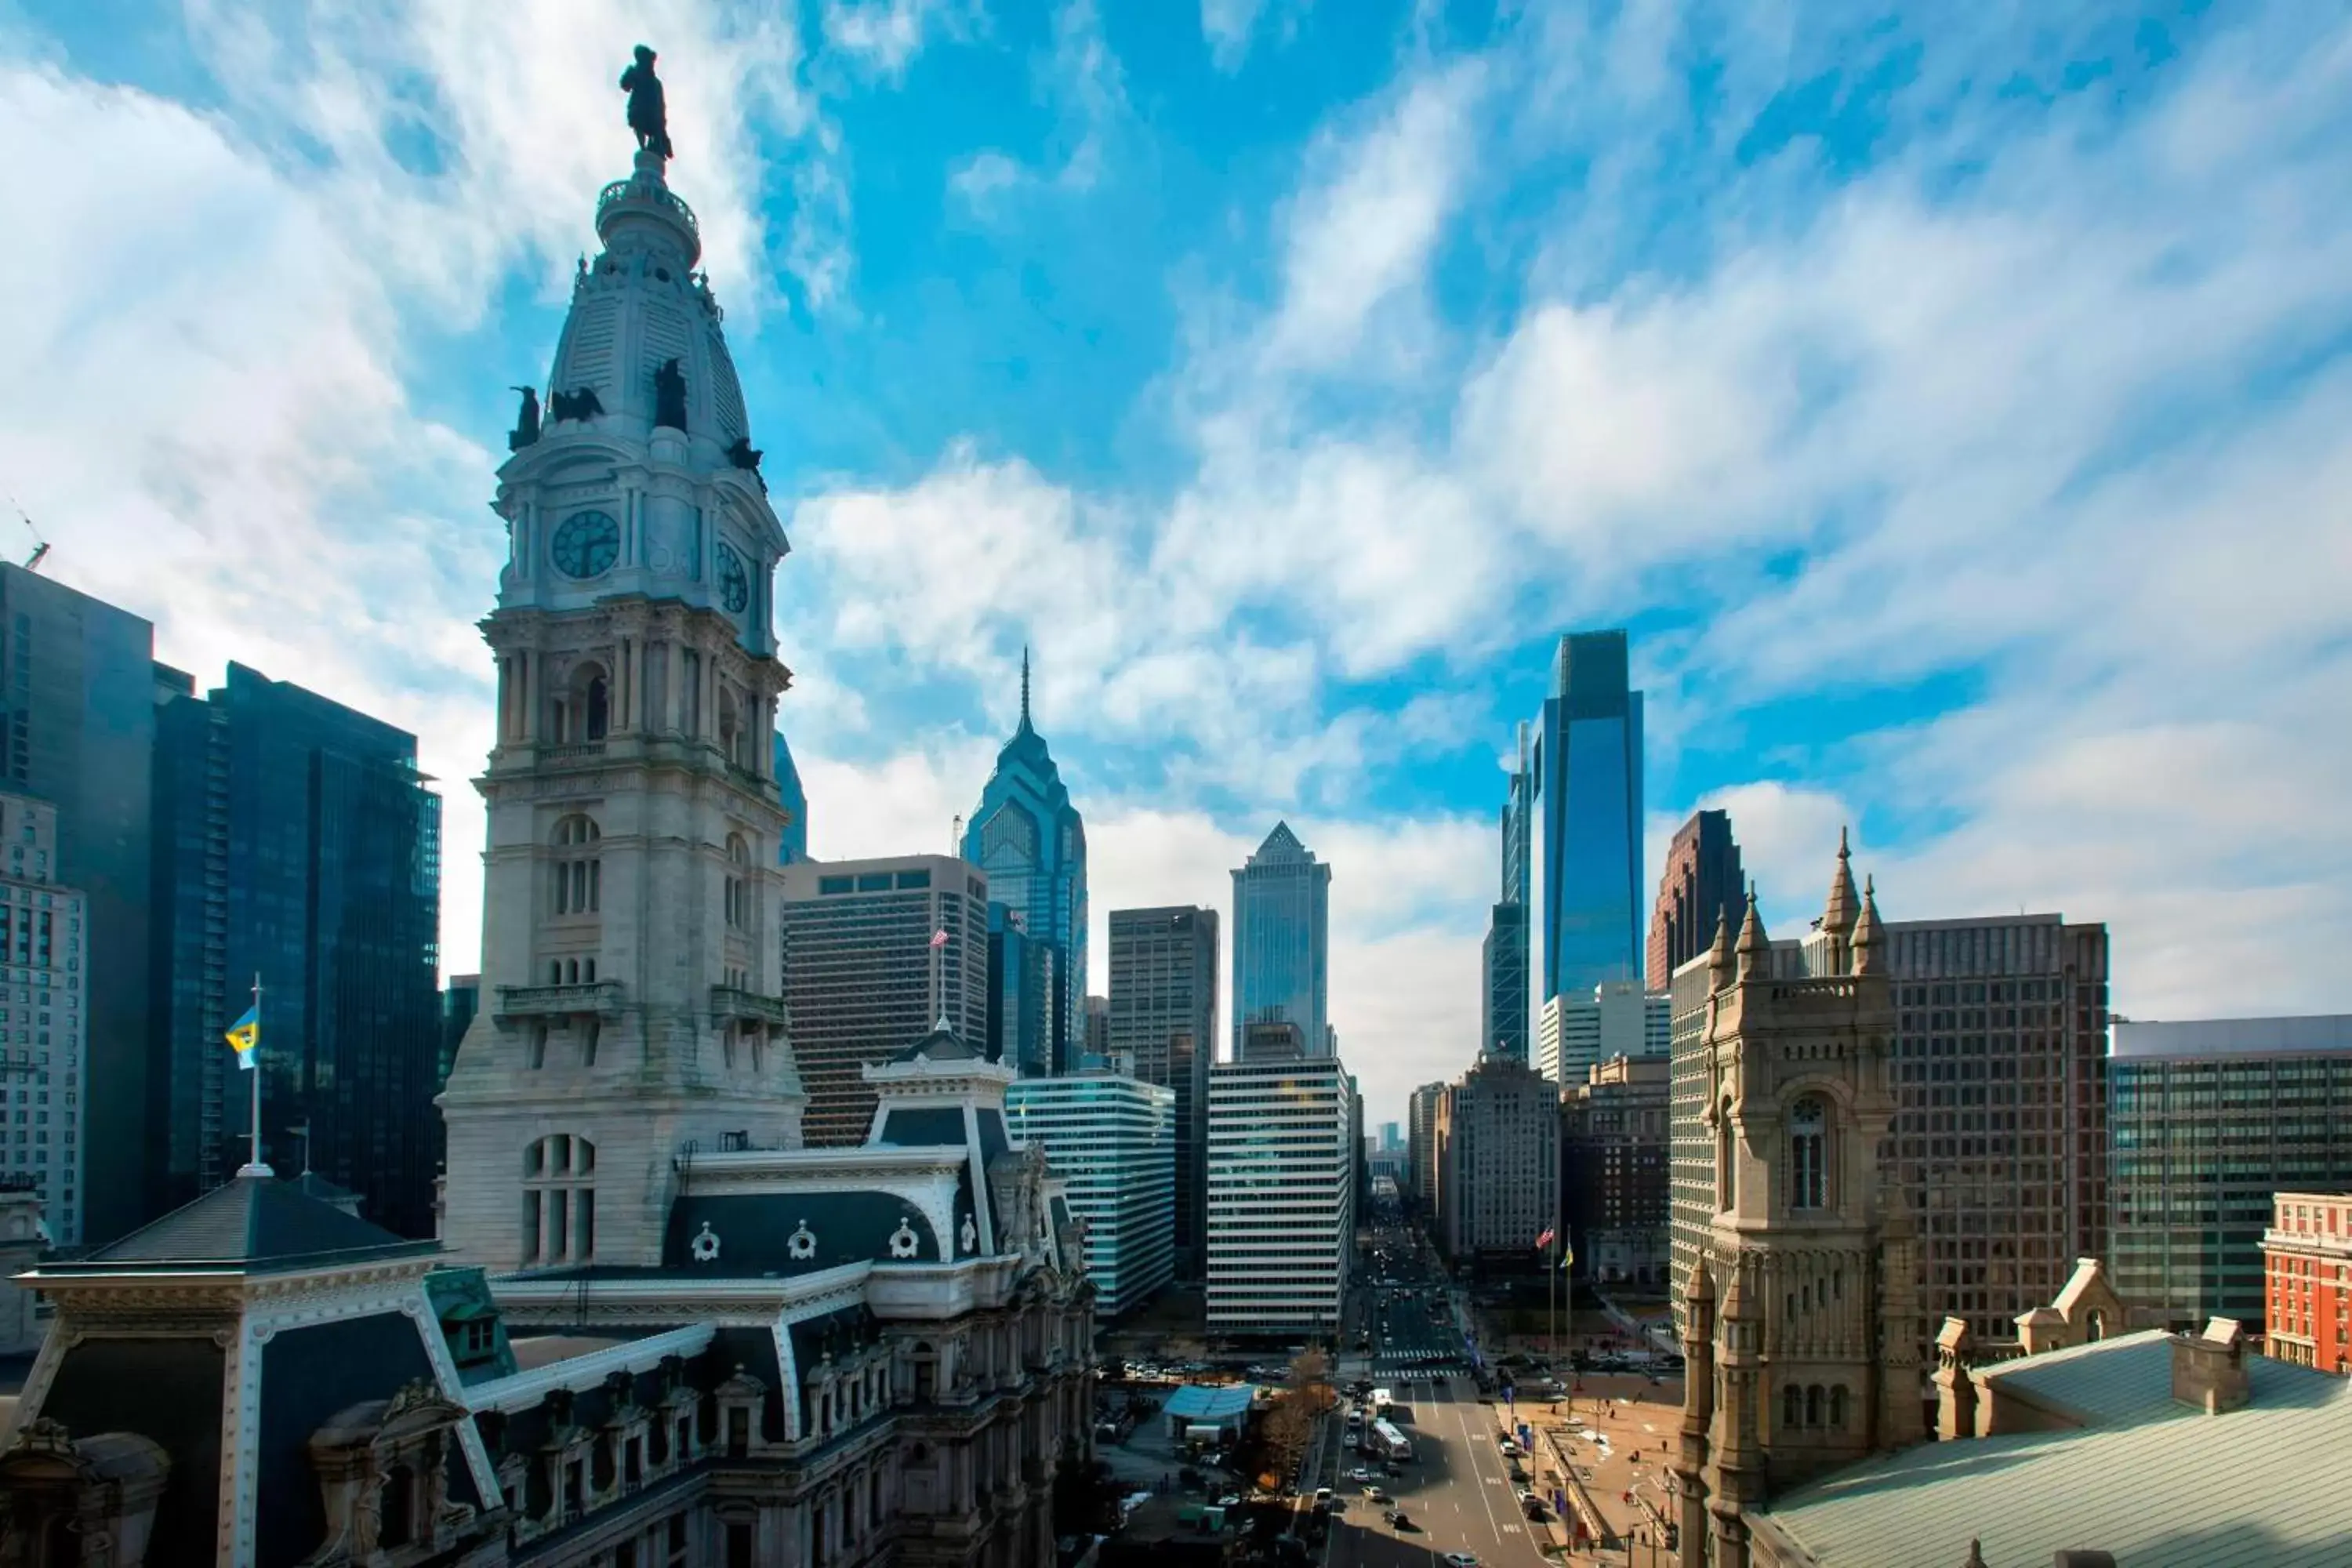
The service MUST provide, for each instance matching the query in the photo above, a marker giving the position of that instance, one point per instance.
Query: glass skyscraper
(78, 731)
(1504, 1011)
(1030, 840)
(1282, 942)
(297, 841)
(1584, 824)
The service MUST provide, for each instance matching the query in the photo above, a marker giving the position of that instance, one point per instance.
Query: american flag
(939, 937)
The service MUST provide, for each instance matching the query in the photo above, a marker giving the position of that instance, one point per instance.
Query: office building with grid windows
(1161, 1024)
(2209, 1121)
(1111, 1141)
(861, 977)
(44, 1014)
(2000, 1134)
(1282, 1156)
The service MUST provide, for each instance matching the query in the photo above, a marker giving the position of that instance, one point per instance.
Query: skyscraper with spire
(1032, 842)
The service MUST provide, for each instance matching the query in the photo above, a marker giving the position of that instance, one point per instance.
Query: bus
(1391, 1442)
(1381, 1400)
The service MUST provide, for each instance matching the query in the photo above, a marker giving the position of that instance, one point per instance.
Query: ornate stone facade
(1802, 1334)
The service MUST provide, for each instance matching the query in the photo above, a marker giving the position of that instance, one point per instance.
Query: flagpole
(253, 1165)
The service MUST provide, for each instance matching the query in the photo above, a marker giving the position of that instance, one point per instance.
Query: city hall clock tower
(630, 1013)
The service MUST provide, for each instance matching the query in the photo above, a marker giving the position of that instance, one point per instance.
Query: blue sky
(1952, 400)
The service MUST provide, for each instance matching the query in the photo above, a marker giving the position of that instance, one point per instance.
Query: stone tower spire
(631, 1010)
(1869, 935)
(1837, 919)
(1754, 948)
(1719, 955)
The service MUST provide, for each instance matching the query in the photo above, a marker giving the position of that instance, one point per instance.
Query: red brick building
(2307, 1280)
(1702, 883)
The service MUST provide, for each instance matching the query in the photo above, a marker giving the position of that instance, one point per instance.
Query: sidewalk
(1616, 1436)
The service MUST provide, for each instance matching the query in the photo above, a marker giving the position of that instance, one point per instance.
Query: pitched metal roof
(2157, 1483)
(252, 1222)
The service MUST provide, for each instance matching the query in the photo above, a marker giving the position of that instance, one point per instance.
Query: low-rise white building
(1576, 1034)
(1112, 1140)
(1282, 1197)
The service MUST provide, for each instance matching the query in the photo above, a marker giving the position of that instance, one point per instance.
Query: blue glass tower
(1030, 840)
(791, 844)
(1282, 942)
(1584, 816)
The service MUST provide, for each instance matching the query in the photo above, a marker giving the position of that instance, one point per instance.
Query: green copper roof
(2156, 1483)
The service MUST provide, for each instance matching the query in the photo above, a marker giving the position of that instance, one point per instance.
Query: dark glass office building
(77, 730)
(2206, 1121)
(296, 840)
(1584, 818)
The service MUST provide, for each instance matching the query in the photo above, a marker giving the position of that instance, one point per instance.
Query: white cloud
(888, 34)
(1230, 27)
(1361, 231)
(1082, 80)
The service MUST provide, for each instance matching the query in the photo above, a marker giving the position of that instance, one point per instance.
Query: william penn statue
(646, 117)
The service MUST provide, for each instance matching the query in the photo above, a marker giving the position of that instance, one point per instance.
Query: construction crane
(40, 545)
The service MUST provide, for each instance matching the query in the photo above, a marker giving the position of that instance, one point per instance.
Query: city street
(1457, 1489)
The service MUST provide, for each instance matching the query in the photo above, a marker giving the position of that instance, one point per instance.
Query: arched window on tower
(582, 710)
(739, 894)
(579, 871)
(1793, 1406)
(559, 1201)
(1808, 1138)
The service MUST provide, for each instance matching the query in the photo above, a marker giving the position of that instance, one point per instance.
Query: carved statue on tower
(648, 116)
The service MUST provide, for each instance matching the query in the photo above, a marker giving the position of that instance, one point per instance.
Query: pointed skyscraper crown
(1869, 935)
(1281, 847)
(1755, 947)
(1838, 919)
(1025, 686)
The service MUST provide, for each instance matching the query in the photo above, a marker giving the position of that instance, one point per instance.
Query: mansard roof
(941, 1045)
(254, 1223)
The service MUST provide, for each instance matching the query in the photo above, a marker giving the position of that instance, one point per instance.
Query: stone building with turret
(1803, 1336)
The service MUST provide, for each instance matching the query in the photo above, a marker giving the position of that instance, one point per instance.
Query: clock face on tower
(734, 584)
(586, 545)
